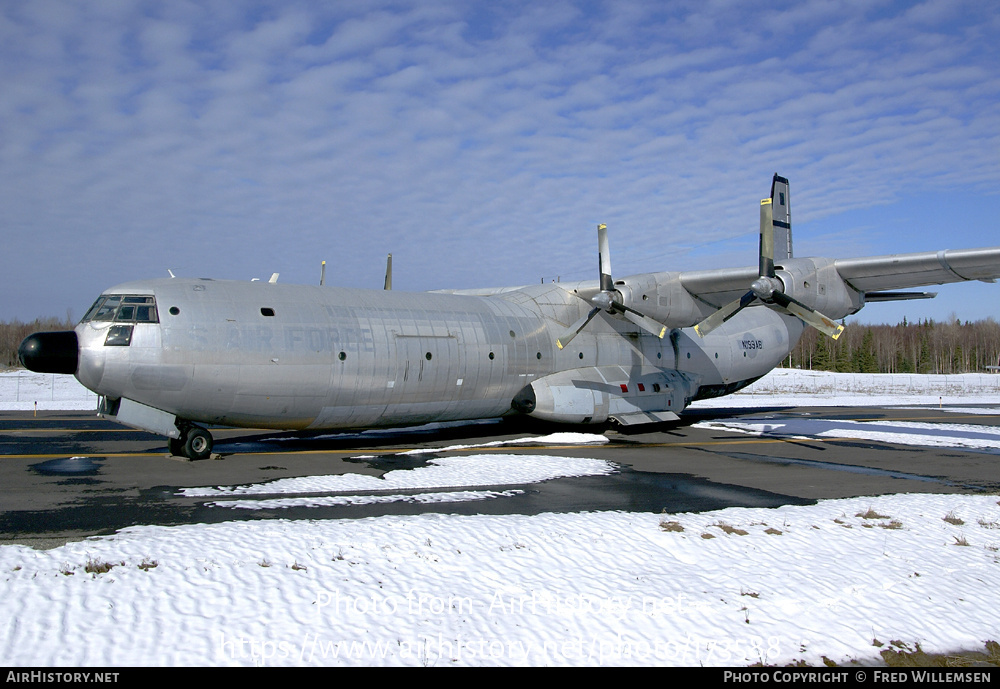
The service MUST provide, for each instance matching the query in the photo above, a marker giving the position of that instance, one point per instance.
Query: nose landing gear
(195, 443)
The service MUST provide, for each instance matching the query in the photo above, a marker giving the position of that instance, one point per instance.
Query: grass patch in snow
(730, 529)
(952, 519)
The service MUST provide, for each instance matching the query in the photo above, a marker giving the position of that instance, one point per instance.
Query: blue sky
(482, 142)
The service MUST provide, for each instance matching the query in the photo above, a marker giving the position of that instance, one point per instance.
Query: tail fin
(781, 209)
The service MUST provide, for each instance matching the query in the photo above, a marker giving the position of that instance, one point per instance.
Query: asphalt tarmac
(70, 475)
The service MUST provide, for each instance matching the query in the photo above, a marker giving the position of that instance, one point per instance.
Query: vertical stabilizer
(781, 209)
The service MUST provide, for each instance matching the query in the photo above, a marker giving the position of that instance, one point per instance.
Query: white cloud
(213, 134)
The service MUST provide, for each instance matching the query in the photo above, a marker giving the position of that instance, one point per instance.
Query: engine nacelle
(660, 296)
(594, 394)
(817, 284)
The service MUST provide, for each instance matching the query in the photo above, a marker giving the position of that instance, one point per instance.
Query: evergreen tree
(904, 364)
(821, 360)
(958, 360)
(866, 362)
(925, 363)
(842, 357)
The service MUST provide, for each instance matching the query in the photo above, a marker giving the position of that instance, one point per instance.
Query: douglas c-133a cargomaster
(167, 355)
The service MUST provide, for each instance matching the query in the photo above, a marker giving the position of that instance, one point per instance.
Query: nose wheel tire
(198, 443)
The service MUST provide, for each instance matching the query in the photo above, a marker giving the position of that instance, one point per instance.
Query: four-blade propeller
(608, 299)
(769, 289)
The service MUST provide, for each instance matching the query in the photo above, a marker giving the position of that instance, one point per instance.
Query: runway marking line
(734, 441)
(217, 431)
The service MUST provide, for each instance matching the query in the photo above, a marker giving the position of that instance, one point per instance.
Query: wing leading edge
(902, 271)
(877, 278)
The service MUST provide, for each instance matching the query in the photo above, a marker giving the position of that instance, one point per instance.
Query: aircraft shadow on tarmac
(94, 506)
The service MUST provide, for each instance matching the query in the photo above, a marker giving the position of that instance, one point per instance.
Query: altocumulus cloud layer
(480, 143)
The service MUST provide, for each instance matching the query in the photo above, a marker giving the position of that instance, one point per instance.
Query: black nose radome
(56, 352)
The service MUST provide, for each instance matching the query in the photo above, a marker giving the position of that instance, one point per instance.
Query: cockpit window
(103, 309)
(123, 308)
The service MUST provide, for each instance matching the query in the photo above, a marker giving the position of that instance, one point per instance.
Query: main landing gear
(195, 443)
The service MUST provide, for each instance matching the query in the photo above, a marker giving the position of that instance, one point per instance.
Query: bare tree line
(924, 347)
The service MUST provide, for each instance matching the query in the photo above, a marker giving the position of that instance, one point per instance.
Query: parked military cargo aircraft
(166, 355)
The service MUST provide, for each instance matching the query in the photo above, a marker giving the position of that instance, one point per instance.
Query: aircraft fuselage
(257, 354)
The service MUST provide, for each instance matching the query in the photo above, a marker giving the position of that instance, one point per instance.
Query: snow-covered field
(825, 389)
(729, 587)
(24, 390)
(553, 589)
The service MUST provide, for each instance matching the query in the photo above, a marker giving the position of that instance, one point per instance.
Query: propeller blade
(810, 316)
(765, 270)
(766, 239)
(605, 299)
(575, 329)
(644, 322)
(723, 314)
(767, 287)
(604, 258)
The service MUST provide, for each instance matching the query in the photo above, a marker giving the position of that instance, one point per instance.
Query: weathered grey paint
(295, 357)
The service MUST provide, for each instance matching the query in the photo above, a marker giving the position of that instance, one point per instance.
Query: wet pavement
(67, 475)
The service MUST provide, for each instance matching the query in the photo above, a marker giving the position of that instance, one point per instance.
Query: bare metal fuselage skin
(165, 355)
(256, 354)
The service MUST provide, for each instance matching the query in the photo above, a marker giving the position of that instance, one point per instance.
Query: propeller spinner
(608, 299)
(769, 289)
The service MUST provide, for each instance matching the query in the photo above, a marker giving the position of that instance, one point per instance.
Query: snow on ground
(985, 438)
(783, 386)
(20, 389)
(729, 587)
(24, 390)
(440, 472)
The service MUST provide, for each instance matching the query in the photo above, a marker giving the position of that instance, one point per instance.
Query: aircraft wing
(718, 287)
(901, 271)
(869, 274)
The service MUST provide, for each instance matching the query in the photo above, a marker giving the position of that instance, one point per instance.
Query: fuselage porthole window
(266, 311)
